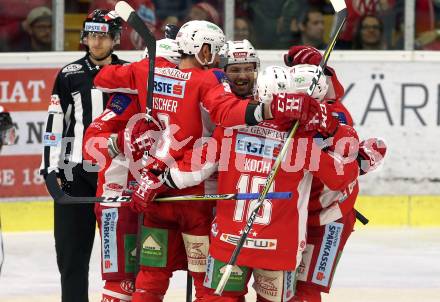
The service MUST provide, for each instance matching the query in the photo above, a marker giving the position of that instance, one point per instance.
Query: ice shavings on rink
(378, 265)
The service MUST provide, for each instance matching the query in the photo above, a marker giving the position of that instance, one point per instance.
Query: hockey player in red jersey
(243, 158)
(331, 213)
(117, 222)
(185, 100)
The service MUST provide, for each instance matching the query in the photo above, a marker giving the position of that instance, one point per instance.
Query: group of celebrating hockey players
(210, 130)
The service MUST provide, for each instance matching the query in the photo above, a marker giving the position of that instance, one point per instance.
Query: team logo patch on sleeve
(220, 75)
(71, 68)
(51, 139)
(119, 103)
(341, 117)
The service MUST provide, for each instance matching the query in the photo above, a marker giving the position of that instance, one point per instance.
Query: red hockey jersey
(327, 205)
(188, 103)
(244, 158)
(114, 175)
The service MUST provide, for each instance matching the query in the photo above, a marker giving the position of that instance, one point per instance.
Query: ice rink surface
(378, 265)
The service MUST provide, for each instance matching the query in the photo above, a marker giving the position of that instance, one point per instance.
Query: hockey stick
(63, 198)
(127, 13)
(341, 13)
(364, 220)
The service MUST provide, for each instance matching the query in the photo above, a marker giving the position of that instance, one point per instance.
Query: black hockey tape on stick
(364, 220)
(341, 13)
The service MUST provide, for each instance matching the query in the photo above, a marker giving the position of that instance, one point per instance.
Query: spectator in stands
(204, 11)
(311, 28)
(369, 34)
(287, 25)
(242, 29)
(37, 31)
(429, 40)
(264, 15)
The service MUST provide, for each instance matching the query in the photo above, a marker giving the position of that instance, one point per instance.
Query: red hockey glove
(321, 119)
(148, 188)
(154, 165)
(345, 141)
(302, 55)
(371, 154)
(137, 140)
(310, 113)
(289, 107)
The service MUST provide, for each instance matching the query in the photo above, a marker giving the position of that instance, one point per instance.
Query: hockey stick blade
(62, 197)
(341, 14)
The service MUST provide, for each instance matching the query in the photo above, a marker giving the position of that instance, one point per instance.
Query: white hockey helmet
(273, 80)
(166, 48)
(193, 34)
(302, 76)
(236, 52)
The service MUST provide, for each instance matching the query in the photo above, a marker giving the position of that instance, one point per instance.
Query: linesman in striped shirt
(74, 104)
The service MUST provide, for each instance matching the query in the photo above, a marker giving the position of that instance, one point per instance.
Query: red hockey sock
(118, 291)
(200, 290)
(151, 286)
(307, 294)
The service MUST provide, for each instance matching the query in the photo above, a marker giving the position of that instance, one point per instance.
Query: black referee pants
(74, 230)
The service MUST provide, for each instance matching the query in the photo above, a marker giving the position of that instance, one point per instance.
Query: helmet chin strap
(205, 63)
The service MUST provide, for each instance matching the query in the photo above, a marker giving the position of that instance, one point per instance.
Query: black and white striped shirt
(74, 104)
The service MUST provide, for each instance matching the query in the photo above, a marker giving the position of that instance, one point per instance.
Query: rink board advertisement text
(396, 100)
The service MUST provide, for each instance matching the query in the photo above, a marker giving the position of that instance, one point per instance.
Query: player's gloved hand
(321, 119)
(371, 154)
(311, 114)
(154, 165)
(137, 140)
(149, 186)
(290, 107)
(302, 55)
(345, 142)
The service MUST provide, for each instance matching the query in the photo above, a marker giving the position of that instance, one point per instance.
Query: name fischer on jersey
(165, 104)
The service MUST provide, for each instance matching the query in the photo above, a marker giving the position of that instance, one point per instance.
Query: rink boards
(395, 211)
